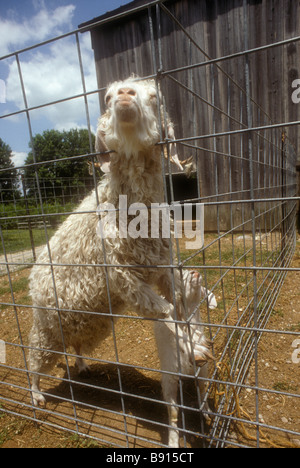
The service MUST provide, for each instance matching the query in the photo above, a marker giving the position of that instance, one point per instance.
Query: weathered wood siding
(123, 48)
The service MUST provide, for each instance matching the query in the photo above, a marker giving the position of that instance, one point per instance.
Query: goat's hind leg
(41, 361)
(37, 396)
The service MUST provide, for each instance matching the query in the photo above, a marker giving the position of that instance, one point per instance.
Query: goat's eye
(107, 99)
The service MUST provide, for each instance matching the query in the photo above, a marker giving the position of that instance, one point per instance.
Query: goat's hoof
(83, 368)
(38, 400)
(85, 372)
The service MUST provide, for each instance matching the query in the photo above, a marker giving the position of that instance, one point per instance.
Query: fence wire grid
(245, 173)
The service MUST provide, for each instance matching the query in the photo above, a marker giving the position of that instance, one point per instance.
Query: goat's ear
(173, 147)
(104, 159)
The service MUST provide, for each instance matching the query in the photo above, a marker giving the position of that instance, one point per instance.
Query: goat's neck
(139, 177)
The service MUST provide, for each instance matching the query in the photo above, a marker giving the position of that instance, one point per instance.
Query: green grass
(20, 285)
(16, 240)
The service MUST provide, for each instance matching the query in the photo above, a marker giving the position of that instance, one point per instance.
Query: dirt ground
(98, 408)
(276, 369)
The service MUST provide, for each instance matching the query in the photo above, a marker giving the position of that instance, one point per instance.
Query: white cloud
(38, 4)
(18, 158)
(48, 75)
(45, 24)
(52, 72)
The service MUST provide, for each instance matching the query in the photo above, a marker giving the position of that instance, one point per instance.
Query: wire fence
(245, 169)
(58, 196)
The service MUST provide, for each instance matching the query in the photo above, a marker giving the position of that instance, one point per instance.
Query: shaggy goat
(73, 298)
(61, 282)
(193, 350)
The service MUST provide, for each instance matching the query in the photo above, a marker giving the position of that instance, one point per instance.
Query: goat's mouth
(125, 102)
(126, 111)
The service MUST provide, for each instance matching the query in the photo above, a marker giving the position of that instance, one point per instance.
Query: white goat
(182, 349)
(73, 298)
(130, 130)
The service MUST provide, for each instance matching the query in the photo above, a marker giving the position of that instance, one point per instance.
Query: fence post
(252, 195)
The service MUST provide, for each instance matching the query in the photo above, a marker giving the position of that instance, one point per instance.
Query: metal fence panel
(245, 169)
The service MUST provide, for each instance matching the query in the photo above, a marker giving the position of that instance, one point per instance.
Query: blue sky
(50, 72)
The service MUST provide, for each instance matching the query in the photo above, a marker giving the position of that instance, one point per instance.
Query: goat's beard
(130, 131)
(128, 114)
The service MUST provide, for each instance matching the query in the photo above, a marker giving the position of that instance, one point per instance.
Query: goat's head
(131, 121)
(133, 104)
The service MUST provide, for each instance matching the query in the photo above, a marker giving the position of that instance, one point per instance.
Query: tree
(53, 145)
(9, 179)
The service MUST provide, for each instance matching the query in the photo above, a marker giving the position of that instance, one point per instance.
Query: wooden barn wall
(123, 48)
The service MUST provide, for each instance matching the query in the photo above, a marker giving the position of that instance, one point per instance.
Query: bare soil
(99, 407)
(277, 371)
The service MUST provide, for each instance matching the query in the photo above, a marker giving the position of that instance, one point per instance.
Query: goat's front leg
(170, 387)
(150, 304)
(145, 301)
(170, 287)
(202, 388)
(82, 366)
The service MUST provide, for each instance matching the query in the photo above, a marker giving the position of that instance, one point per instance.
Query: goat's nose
(126, 94)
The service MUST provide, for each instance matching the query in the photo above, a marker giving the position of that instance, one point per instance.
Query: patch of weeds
(277, 313)
(281, 387)
(4, 290)
(76, 441)
(295, 328)
(20, 285)
(4, 436)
